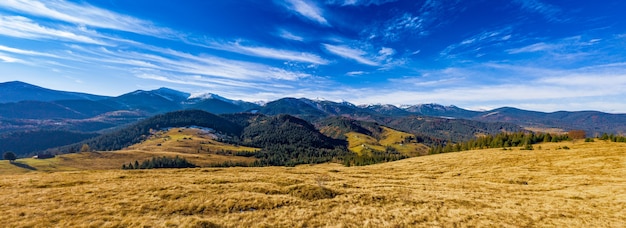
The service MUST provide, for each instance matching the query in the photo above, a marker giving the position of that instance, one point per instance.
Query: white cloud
(272, 53)
(289, 36)
(473, 44)
(167, 60)
(306, 9)
(394, 28)
(25, 52)
(358, 2)
(349, 53)
(9, 59)
(83, 14)
(550, 12)
(533, 48)
(386, 52)
(21, 27)
(545, 89)
(355, 73)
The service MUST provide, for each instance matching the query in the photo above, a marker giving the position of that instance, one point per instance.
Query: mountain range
(19, 100)
(26, 108)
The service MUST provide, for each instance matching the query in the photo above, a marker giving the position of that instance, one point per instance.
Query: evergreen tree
(9, 156)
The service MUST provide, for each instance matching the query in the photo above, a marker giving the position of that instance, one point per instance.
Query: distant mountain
(592, 122)
(17, 91)
(313, 110)
(387, 109)
(441, 111)
(19, 101)
(455, 130)
(150, 101)
(32, 102)
(216, 104)
(170, 94)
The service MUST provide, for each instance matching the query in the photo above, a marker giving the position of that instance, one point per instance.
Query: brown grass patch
(579, 187)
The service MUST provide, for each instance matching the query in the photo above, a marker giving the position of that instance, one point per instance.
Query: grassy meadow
(584, 186)
(198, 147)
(362, 144)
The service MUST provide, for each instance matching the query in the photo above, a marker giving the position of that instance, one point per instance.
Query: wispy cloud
(474, 44)
(413, 23)
(176, 62)
(9, 59)
(290, 36)
(537, 47)
(25, 52)
(21, 27)
(534, 87)
(355, 73)
(550, 12)
(358, 2)
(267, 52)
(570, 51)
(350, 53)
(307, 10)
(84, 14)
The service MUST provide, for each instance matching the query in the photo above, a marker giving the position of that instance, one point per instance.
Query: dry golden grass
(186, 140)
(584, 186)
(362, 144)
(557, 131)
(197, 147)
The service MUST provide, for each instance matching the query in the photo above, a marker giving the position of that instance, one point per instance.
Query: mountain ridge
(162, 100)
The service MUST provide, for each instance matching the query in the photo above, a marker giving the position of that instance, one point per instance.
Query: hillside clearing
(403, 142)
(584, 186)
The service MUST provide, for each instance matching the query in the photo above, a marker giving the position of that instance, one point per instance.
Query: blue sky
(532, 54)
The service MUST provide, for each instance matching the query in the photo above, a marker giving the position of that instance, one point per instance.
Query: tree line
(159, 163)
(501, 140)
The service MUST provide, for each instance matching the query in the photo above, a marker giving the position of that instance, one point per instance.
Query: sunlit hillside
(404, 143)
(194, 144)
(556, 185)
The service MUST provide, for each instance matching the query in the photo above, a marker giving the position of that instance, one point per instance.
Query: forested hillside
(139, 131)
(287, 140)
(28, 142)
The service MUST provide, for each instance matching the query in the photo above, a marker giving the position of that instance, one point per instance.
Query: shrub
(161, 162)
(9, 156)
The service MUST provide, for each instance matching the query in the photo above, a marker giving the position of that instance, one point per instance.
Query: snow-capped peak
(205, 96)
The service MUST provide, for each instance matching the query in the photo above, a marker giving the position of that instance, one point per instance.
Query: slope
(287, 140)
(17, 91)
(139, 131)
(580, 187)
(389, 140)
(201, 146)
(364, 137)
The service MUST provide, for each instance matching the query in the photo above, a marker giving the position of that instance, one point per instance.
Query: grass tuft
(312, 192)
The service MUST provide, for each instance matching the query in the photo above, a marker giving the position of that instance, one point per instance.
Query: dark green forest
(160, 163)
(28, 143)
(140, 131)
(501, 140)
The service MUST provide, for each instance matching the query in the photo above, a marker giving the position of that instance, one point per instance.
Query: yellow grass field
(584, 186)
(362, 144)
(185, 140)
(195, 146)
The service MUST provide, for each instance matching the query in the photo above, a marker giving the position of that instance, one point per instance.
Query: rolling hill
(579, 187)
(430, 123)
